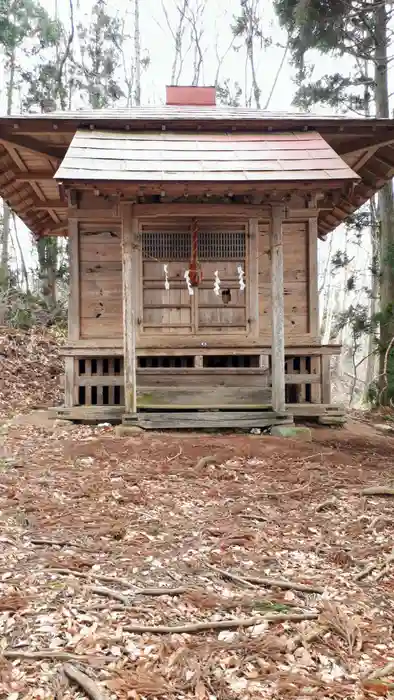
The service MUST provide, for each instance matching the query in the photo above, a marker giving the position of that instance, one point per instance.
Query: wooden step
(170, 420)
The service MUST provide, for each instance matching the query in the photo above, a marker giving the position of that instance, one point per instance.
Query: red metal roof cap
(191, 95)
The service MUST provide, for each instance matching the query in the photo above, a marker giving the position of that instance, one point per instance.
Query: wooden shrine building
(193, 235)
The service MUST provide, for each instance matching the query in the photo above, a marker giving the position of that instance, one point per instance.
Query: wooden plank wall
(100, 292)
(295, 273)
(101, 280)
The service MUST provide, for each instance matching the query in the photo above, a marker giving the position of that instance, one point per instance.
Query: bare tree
(178, 35)
(195, 18)
(137, 53)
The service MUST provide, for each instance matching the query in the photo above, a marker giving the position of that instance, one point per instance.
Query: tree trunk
(137, 53)
(385, 196)
(47, 257)
(5, 234)
(370, 372)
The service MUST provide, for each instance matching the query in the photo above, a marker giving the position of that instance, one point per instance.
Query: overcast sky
(157, 42)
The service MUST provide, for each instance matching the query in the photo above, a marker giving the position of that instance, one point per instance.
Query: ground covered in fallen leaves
(112, 549)
(30, 369)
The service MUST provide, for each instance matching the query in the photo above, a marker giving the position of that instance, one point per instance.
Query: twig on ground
(271, 583)
(310, 636)
(279, 494)
(90, 688)
(365, 572)
(378, 519)
(205, 461)
(259, 518)
(121, 581)
(221, 624)
(91, 574)
(47, 654)
(324, 505)
(178, 454)
(53, 543)
(383, 672)
(378, 491)
(384, 568)
(230, 576)
(116, 595)
(162, 591)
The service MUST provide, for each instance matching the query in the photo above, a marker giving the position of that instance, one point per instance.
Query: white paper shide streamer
(166, 282)
(216, 284)
(241, 278)
(188, 282)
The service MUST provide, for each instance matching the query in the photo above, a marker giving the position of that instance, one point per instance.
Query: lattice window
(166, 245)
(221, 245)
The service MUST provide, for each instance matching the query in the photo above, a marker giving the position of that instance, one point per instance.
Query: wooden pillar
(313, 291)
(326, 379)
(129, 316)
(74, 313)
(74, 316)
(277, 309)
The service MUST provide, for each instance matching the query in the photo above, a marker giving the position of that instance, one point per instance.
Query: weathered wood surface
(100, 281)
(129, 232)
(74, 308)
(115, 413)
(277, 310)
(208, 419)
(168, 157)
(107, 346)
(204, 396)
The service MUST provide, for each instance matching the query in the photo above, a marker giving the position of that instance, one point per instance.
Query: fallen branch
(383, 672)
(53, 543)
(384, 568)
(378, 491)
(116, 595)
(120, 581)
(230, 576)
(271, 583)
(162, 591)
(92, 574)
(279, 494)
(46, 654)
(365, 572)
(90, 688)
(221, 624)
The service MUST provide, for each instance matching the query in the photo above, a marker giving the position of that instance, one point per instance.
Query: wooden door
(218, 302)
(221, 297)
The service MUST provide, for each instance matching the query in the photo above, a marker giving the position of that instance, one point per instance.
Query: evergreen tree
(359, 30)
(100, 49)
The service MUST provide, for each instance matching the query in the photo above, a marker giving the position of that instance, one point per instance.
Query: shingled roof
(32, 148)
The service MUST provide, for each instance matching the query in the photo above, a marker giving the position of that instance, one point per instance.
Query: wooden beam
(74, 321)
(32, 144)
(48, 204)
(238, 210)
(94, 214)
(129, 316)
(35, 176)
(55, 229)
(277, 309)
(350, 146)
